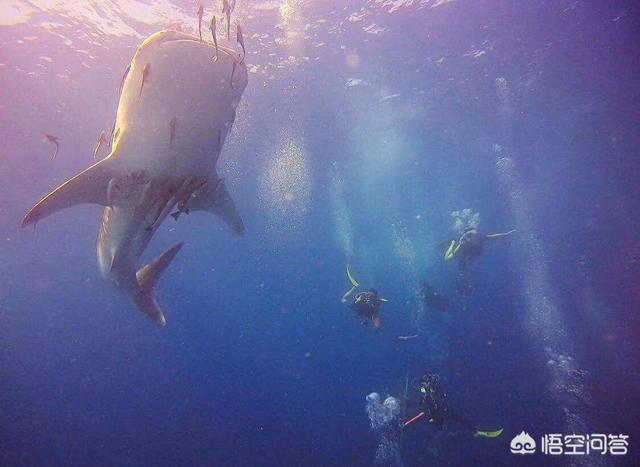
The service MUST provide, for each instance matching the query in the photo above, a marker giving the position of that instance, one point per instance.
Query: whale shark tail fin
(89, 186)
(214, 198)
(148, 277)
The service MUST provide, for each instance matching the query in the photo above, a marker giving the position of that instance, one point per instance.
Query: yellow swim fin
(451, 251)
(353, 281)
(488, 434)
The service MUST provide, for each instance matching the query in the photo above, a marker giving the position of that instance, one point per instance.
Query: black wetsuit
(434, 404)
(471, 247)
(366, 304)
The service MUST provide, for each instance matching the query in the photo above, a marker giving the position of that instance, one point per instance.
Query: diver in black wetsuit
(365, 304)
(470, 246)
(466, 250)
(435, 409)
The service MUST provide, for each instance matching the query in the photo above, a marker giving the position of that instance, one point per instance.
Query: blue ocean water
(364, 126)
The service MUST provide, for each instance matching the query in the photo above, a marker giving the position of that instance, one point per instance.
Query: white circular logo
(523, 444)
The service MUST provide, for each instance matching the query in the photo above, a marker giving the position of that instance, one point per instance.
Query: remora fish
(212, 26)
(200, 14)
(54, 139)
(226, 10)
(102, 141)
(142, 179)
(240, 41)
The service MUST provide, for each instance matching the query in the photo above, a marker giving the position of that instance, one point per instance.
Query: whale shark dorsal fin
(88, 187)
(214, 198)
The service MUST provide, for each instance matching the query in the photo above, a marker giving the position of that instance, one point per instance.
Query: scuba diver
(466, 250)
(365, 304)
(432, 298)
(433, 401)
(470, 245)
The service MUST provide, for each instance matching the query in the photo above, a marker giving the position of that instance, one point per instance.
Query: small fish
(200, 13)
(240, 40)
(172, 126)
(233, 70)
(226, 9)
(154, 224)
(102, 139)
(183, 201)
(54, 140)
(145, 76)
(406, 338)
(212, 26)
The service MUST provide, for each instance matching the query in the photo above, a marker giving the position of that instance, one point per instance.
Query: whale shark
(177, 106)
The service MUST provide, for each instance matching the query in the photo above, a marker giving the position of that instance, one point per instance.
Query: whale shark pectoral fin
(214, 198)
(147, 278)
(89, 186)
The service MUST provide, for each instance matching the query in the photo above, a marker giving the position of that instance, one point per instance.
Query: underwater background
(364, 126)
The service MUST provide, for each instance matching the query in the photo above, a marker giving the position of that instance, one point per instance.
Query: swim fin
(451, 251)
(353, 281)
(488, 434)
(347, 295)
(354, 285)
